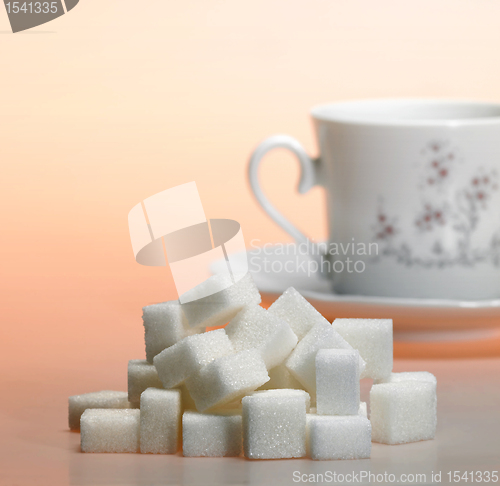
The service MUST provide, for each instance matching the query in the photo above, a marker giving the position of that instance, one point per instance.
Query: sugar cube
(160, 421)
(254, 327)
(164, 325)
(408, 376)
(216, 309)
(373, 339)
(187, 402)
(302, 361)
(280, 377)
(309, 417)
(403, 411)
(232, 405)
(339, 437)
(179, 361)
(363, 410)
(77, 404)
(226, 379)
(287, 393)
(217, 434)
(337, 382)
(274, 425)
(297, 311)
(108, 430)
(141, 375)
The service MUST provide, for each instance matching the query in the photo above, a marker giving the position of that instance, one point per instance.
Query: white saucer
(414, 319)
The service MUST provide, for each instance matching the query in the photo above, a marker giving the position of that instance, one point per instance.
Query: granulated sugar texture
(274, 384)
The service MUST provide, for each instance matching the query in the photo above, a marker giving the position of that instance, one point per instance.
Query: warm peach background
(120, 99)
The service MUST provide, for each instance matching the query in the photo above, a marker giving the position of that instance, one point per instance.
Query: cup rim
(338, 112)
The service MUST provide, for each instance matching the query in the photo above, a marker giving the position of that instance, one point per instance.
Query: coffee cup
(412, 191)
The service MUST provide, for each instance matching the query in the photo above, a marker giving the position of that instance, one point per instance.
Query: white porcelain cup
(411, 183)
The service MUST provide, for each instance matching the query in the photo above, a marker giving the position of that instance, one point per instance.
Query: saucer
(414, 319)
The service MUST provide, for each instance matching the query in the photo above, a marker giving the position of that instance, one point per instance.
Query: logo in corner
(26, 15)
(204, 255)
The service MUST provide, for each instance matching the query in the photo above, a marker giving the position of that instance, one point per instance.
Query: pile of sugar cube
(271, 384)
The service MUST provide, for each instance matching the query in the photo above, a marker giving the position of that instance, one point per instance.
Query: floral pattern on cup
(440, 160)
(461, 211)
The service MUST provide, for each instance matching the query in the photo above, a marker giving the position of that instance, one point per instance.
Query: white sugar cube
(187, 402)
(339, 437)
(141, 375)
(302, 361)
(164, 325)
(77, 404)
(337, 382)
(231, 406)
(309, 418)
(108, 430)
(294, 309)
(218, 434)
(408, 376)
(280, 377)
(287, 393)
(160, 421)
(226, 379)
(274, 425)
(181, 360)
(207, 309)
(363, 410)
(254, 327)
(373, 339)
(403, 411)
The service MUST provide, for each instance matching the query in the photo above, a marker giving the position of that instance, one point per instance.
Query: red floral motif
(431, 217)
(440, 158)
(481, 187)
(461, 211)
(385, 227)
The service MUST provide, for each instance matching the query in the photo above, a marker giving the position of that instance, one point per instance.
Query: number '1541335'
(31, 7)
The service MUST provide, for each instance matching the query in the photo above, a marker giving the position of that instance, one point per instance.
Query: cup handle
(307, 180)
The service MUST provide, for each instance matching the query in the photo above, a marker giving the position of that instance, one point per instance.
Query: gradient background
(120, 99)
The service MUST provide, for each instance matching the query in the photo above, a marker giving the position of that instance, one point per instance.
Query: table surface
(37, 448)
